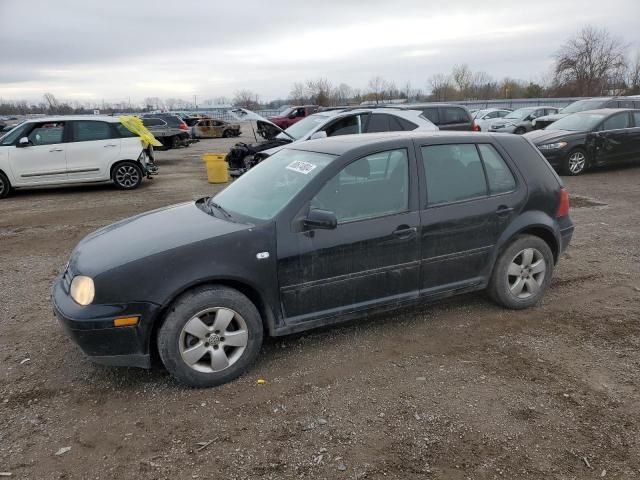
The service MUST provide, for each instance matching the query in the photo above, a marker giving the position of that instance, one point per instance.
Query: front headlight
(82, 290)
(553, 146)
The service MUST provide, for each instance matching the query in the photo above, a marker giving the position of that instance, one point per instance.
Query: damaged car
(328, 123)
(212, 128)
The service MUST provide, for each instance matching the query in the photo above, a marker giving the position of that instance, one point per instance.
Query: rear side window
(344, 126)
(86, 131)
(405, 125)
(123, 131)
(499, 176)
(453, 172)
(152, 122)
(172, 121)
(378, 122)
(616, 122)
(451, 115)
(432, 115)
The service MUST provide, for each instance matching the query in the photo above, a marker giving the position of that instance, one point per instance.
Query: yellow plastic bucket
(217, 168)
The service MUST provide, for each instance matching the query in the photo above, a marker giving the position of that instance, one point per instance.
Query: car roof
(609, 111)
(67, 118)
(343, 143)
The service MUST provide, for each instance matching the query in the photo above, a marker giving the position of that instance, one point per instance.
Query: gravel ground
(461, 389)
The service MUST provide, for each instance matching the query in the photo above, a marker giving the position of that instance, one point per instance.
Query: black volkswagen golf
(589, 139)
(322, 232)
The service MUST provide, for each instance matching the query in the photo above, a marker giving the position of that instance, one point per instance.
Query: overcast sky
(114, 49)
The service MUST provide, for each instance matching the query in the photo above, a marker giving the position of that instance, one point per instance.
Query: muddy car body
(213, 128)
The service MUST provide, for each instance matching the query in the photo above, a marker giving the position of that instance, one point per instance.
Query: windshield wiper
(219, 207)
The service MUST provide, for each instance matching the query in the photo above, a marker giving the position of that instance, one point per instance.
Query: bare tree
(298, 93)
(633, 76)
(441, 87)
(246, 99)
(51, 100)
(343, 94)
(589, 61)
(319, 91)
(462, 77)
(377, 87)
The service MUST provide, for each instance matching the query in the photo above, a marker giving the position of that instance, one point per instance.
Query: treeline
(591, 63)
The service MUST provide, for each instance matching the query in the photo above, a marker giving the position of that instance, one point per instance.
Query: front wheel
(574, 163)
(211, 336)
(127, 175)
(522, 273)
(520, 131)
(5, 186)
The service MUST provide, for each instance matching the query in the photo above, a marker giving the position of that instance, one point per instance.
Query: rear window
(451, 115)
(431, 114)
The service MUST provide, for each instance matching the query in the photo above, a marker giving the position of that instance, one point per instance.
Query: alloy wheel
(526, 273)
(127, 176)
(213, 340)
(3, 186)
(577, 162)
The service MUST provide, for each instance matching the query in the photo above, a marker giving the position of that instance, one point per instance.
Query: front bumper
(554, 157)
(507, 129)
(91, 328)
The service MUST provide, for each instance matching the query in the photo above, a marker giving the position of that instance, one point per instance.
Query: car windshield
(519, 114)
(285, 112)
(265, 189)
(578, 122)
(582, 106)
(479, 113)
(300, 129)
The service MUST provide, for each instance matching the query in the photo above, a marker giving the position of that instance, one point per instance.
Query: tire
(520, 131)
(127, 175)
(175, 142)
(189, 334)
(5, 186)
(575, 163)
(226, 134)
(518, 280)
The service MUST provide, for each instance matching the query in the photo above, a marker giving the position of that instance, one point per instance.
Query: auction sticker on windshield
(301, 167)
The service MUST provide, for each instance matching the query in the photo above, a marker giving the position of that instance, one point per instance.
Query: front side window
(269, 186)
(47, 133)
(616, 122)
(499, 176)
(374, 186)
(86, 131)
(454, 173)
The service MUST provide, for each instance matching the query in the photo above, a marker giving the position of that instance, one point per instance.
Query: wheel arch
(251, 292)
(535, 223)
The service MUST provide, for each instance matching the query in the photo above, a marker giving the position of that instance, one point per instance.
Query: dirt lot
(457, 390)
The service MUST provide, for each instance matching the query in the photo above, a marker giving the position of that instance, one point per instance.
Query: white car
(72, 149)
(483, 118)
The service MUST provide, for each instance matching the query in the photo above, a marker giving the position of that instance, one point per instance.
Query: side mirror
(321, 219)
(23, 142)
(320, 134)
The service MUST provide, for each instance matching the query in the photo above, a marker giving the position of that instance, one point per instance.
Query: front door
(612, 139)
(43, 160)
(372, 255)
(471, 196)
(92, 151)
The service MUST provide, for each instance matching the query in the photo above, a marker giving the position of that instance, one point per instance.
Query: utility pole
(195, 103)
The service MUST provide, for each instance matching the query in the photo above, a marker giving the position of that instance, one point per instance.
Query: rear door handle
(56, 150)
(405, 231)
(110, 146)
(503, 210)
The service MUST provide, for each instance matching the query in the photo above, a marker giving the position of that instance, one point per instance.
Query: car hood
(144, 235)
(266, 128)
(540, 137)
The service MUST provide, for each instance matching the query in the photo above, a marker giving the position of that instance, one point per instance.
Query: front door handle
(110, 146)
(503, 210)
(405, 231)
(56, 150)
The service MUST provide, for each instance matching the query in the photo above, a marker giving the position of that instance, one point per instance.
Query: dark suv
(325, 231)
(585, 105)
(447, 116)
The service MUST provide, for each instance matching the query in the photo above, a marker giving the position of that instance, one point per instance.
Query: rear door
(471, 194)
(93, 149)
(371, 257)
(44, 159)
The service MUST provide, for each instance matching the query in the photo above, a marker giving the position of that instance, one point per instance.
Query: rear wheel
(127, 175)
(575, 162)
(5, 186)
(226, 134)
(522, 273)
(211, 336)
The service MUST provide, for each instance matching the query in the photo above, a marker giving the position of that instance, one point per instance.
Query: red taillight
(183, 126)
(563, 207)
(475, 127)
